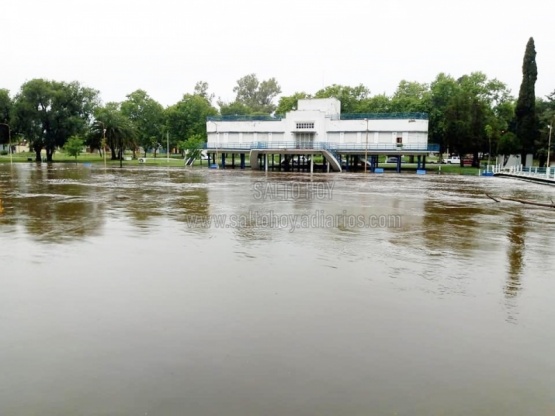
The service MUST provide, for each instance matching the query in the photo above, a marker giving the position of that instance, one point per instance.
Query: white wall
(329, 106)
(324, 114)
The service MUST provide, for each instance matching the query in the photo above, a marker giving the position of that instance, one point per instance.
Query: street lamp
(550, 127)
(366, 147)
(104, 145)
(9, 141)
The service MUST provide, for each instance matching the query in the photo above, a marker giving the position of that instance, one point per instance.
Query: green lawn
(452, 169)
(174, 160)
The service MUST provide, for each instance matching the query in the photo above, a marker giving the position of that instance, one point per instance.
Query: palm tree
(117, 130)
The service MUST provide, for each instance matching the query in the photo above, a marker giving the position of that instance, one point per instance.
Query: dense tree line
(45, 114)
(471, 114)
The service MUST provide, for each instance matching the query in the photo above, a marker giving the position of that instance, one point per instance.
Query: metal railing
(234, 145)
(345, 116)
(525, 171)
(245, 118)
(384, 116)
(432, 147)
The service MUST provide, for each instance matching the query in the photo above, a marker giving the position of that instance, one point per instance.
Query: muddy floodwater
(142, 291)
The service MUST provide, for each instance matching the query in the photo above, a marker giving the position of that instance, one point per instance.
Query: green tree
(509, 144)
(465, 124)
(443, 89)
(201, 88)
(192, 147)
(74, 146)
(380, 103)
(497, 108)
(147, 116)
(6, 105)
(47, 113)
(411, 97)
(350, 97)
(255, 95)
(546, 115)
(290, 103)
(119, 131)
(187, 118)
(234, 109)
(460, 110)
(527, 125)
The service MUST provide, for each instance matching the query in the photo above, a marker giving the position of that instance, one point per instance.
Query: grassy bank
(177, 161)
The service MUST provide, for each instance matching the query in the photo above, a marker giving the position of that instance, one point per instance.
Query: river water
(143, 291)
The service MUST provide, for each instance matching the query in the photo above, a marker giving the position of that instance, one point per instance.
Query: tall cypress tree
(527, 124)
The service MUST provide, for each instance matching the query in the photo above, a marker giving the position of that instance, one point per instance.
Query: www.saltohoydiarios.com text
(292, 222)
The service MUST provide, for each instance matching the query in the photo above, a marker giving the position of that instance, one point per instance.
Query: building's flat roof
(352, 116)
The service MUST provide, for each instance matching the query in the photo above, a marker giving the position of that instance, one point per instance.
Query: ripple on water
(110, 266)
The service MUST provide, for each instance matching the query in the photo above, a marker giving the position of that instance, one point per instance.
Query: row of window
(301, 126)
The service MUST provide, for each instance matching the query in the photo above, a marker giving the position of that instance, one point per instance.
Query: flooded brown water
(175, 292)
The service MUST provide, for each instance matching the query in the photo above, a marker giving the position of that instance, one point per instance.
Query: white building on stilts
(317, 127)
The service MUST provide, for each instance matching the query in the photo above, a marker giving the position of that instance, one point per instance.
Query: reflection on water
(133, 292)
(515, 253)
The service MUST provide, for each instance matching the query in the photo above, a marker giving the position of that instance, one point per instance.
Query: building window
(399, 140)
(305, 125)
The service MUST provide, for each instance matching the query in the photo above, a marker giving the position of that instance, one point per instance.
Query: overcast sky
(164, 47)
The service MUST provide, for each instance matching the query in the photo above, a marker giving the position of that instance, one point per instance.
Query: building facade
(318, 123)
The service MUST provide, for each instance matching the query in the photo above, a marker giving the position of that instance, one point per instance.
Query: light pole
(550, 127)
(366, 147)
(217, 141)
(9, 141)
(104, 145)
